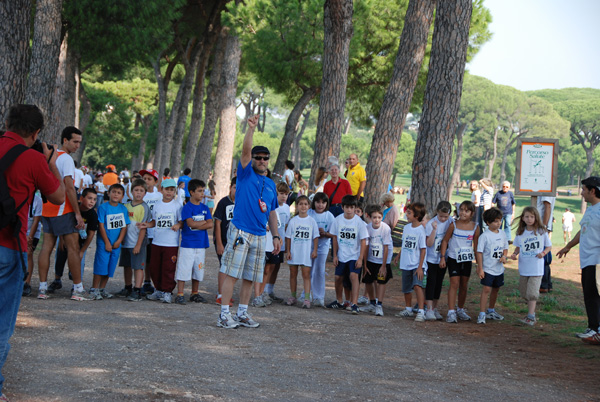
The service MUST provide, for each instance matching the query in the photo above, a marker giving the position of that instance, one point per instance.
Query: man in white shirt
(568, 219)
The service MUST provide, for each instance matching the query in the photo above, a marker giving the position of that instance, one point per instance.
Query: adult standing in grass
(505, 201)
(588, 239)
(568, 219)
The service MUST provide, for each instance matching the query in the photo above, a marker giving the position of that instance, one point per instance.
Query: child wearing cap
(166, 219)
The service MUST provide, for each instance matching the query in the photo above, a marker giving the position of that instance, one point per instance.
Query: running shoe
(430, 315)
(197, 298)
(166, 297)
(592, 340)
(80, 296)
(246, 320)
(26, 290)
(481, 318)
(148, 288)
(125, 292)
(438, 316)
(347, 305)
(369, 308)
(335, 305)
(180, 300)
(420, 317)
(318, 303)
(55, 285)
(258, 302)
(354, 309)
(3, 398)
(528, 321)
(105, 294)
(227, 321)
(134, 296)
(306, 303)
(494, 316)
(157, 295)
(451, 317)
(265, 297)
(94, 295)
(291, 301)
(588, 332)
(363, 300)
(379, 310)
(275, 298)
(462, 315)
(405, 313)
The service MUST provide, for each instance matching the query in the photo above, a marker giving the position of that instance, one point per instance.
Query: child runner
(113, 219)
(492, 250)
(133, 255)
(194, 242)
(223, 215)
(166, 219)
(412, 260)
(152, 197)
(349, 247)
(532, 244)
(435, 230)
(320, 213)
(379, 258)
(302, 243)
(34, 230)
(460, 241)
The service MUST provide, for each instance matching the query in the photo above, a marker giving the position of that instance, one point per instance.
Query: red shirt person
(335, 196)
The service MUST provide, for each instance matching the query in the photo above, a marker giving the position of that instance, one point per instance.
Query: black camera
(37, 145)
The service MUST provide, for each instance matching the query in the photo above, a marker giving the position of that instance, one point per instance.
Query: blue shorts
(105, 263)
(493, 281)
(347, 268)
(410, 280)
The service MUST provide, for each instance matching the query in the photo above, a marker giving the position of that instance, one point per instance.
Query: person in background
(545, 206)
(505, 201)
(357, 176)
(568, 219)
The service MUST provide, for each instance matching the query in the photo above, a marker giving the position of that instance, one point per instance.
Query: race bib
(497, 253)
(410, 243)
(151, 204)
(348, 236)
(376, 250)
(164, 221)
(437, 245)
(464, 254)
(302, 233)
(115, 221)
(229, 212)
(531, 245)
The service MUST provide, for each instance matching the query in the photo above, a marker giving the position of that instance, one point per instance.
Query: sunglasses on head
(261, 158)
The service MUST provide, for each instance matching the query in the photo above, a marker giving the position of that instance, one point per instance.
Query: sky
(540, 44)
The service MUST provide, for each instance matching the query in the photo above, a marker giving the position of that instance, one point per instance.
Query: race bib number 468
(464, 254)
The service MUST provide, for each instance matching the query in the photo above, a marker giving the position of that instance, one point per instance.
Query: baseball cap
(259, 149)
(111, 167)
(168, 183)
(151, 172)
(592, 181)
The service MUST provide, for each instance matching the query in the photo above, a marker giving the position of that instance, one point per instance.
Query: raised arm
(248, 138)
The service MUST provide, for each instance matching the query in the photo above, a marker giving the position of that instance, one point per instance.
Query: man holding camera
(30, 170)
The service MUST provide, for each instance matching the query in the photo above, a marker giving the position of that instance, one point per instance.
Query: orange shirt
(66, 167)
(109, 179)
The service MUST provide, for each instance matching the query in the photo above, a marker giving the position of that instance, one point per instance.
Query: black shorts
(458, 268)
(493, 281)
(373, 276)
(271, 258)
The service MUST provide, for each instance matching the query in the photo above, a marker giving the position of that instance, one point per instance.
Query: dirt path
(114, 350)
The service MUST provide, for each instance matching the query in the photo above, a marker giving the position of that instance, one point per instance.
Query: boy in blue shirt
(113, 219)
(194, 242)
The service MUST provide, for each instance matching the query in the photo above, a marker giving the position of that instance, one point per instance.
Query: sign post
(536, 167)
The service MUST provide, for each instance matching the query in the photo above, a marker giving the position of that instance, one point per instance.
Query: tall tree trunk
(296, 150)
(227, 128)
(494, 155)
(14, 53)
(198, 108)
(398, 97)
(201, 169)
(347, 125)
(460, 132)
(162, 111)
(142, 151)
(291, 127)
(44, 55)
(486, 163)
(433, 151)
(337, 21)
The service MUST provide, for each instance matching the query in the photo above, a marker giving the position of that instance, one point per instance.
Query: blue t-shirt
(504, 200)
(194, 238)
(184, 179)
(247, 215)
(114, 219)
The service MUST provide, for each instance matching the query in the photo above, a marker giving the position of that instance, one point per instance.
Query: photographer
(30, 170)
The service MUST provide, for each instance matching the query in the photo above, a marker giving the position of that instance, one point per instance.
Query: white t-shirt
(288, 176)
(541, 207)
(78, 178)
(531, 244)
(100, 188)
(378, 238)
(413, 241)
(324, 221)
(349, 233)
(36, 210)
(181, 196)
(433, 252)
(589, 237)
(568, 219)
(492, 245)
(166, 214)
(283, 218)
(476, 197)
(87, 181)
(301, 232)
(152, 199)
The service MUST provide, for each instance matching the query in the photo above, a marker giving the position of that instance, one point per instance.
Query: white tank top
(460, 246)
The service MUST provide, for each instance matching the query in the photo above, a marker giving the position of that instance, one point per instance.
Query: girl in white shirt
(532, 244)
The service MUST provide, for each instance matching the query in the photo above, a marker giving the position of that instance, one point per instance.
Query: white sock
(43, 285)
(482, 313)
(421, 311)
(78, 287)
(409, 309)
(219, 296)
(224, 309)
(242, 308)
(451, 311)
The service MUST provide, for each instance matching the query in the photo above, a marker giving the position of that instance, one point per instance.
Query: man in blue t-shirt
(185, 179)
(505, 201)
(244, 255)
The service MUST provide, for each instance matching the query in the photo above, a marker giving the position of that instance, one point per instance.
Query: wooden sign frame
(536, 169)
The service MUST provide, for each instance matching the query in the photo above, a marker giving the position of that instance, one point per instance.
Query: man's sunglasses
(261, 158)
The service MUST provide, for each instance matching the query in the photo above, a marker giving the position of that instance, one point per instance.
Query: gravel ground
(113, 350)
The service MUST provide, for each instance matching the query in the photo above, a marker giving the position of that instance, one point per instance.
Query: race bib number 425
(164, 221)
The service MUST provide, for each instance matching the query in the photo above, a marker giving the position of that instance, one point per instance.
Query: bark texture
(201, 169)
(460, 132)
(337, 21)
(227, 128)
(14, 53)
(44, 55)
(398, 97)
(291, 127)
(162, 111)
(433, 151)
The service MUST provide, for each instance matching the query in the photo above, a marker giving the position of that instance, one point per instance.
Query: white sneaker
(166, 297)
(318, 303)
(246, 320)
(369, 308)
(451, 317)
(379, 310)
(462, 315)
(494, 316)
(265, 298)
(227, 321)
(481, 319)
(258, 302)
(420, 317)
(157, 295)
(405, 313)
(588, 332)
(438, 316)
(363, 300)
(430, 315)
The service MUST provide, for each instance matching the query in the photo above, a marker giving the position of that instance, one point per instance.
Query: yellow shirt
(356, 175)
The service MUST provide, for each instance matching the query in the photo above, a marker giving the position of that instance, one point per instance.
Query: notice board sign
(536, 166)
